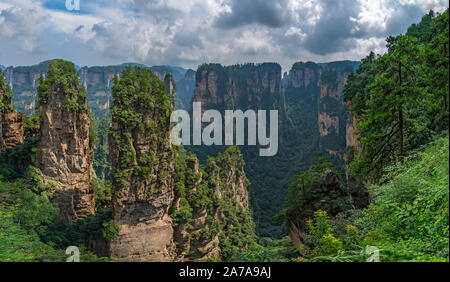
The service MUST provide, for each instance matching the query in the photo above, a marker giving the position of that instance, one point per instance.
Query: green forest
(386, 199)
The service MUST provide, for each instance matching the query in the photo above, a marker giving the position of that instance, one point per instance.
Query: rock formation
(312, 118)
(170, 89)
(358, 191)
(64, 151)
(249, 86)
(11, 122)
(23, 82)
(332, 116)
(185, 90)
(167, 207)
(218, 198)
(97, 80)
(143, 169)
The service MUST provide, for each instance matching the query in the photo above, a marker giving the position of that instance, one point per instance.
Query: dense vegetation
(401, 102)
(406, 221)
(401, 97)
(28, 231)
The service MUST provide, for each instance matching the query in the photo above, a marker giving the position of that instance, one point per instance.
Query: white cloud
(185, 32)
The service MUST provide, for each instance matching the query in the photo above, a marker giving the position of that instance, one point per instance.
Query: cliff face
(302, 75)
(98, 83)
(170, 89)
(11, 122)
(23, 82)
(250, 86)
(12, 130)
(332, 114)
(218, 200)
(185, 89)
(167, 207)
(312, 118)
(97, 80)
(143, 169)
(351, 129)
(64, 151)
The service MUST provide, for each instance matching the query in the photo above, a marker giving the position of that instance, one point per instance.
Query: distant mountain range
(97, 80)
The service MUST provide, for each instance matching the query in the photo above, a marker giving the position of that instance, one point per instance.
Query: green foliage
(110, 229)
(412, 207)
(15, 161)
(62, 79)
(308, 192)
(407, 221)
(422, 30)
(23, 216)
(101, 161)
(139, 96)
(212, 189)
(268, 250)
(401, 97)
(6, 105)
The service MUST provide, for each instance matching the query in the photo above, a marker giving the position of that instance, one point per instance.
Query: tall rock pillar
(143, 168)
(64, 153)
(11, 122)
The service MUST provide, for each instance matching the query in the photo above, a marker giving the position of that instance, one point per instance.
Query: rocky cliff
(167, 207)
(143, 168)
(97, 80)
(185, 89)
(332, 114)
(351, 131)
(23, 82)
(211, 212)
(64, 151)
(312, 118)
(11, 122)
(170, 89)
(249, 86)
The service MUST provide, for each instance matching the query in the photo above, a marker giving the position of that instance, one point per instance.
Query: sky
(188, 33)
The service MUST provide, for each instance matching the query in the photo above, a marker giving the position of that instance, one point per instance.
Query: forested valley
(362, 169)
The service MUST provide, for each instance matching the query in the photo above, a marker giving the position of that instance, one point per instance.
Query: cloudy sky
(190, 32)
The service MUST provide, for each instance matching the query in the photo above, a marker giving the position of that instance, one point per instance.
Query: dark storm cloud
(188, 39)
(333, 31)
(243, 12)
(157, 10)
(188, 33)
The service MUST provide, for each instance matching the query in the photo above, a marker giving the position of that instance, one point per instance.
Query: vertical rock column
(11, 122)
(64, 153)
(143, 168)
(170, 89)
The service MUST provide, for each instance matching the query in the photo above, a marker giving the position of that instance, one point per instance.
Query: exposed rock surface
(143, 169)
(11, 122)
(312, 118)
(97, 80)
(64, 151)
(358, 191)
(12, 131)
(351, 130)
(250, 86)
(170, 89)
(185, 88)
(224, 183)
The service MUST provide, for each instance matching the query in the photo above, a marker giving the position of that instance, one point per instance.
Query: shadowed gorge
(312, 118)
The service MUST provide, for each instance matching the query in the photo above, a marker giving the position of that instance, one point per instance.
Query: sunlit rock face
(64, 152)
